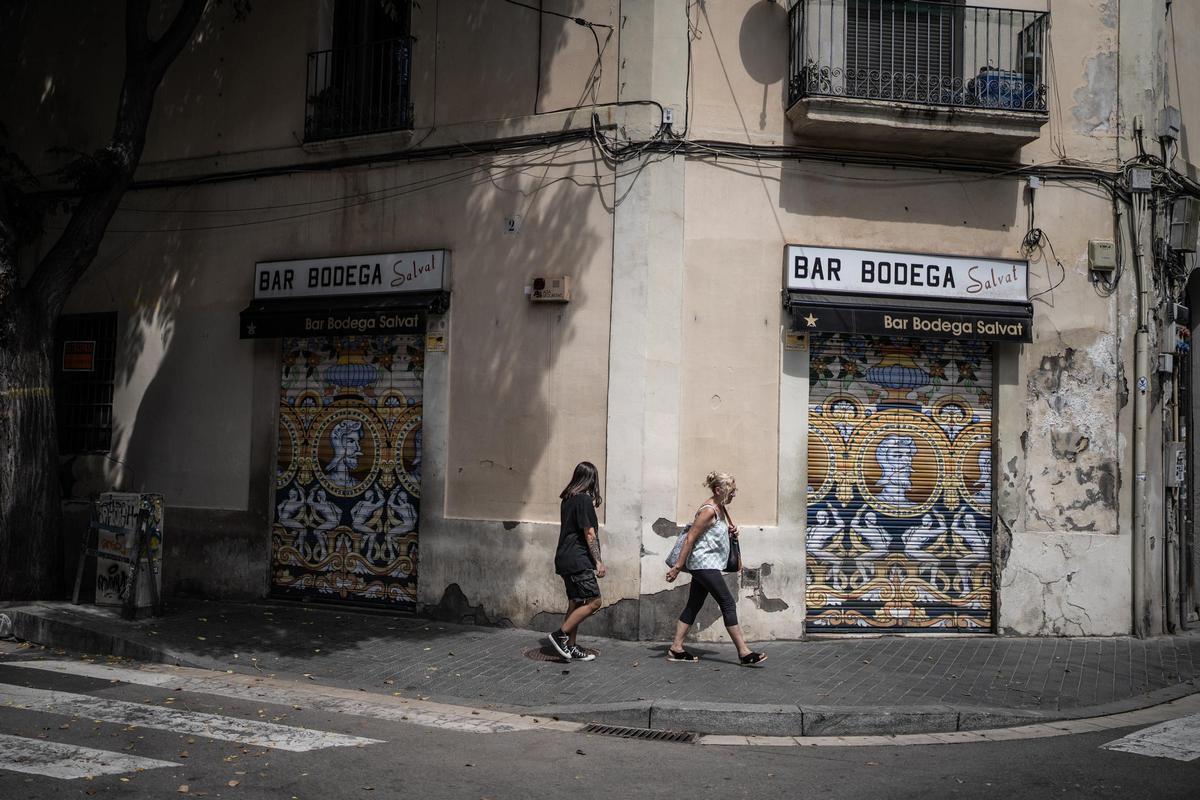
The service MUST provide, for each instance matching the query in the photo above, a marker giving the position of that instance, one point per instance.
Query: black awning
(815, 312)
(368, 315)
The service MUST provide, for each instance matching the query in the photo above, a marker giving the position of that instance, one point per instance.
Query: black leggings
(704, 583)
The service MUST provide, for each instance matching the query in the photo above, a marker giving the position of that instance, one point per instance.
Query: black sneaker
(558, 640)
(579, 654)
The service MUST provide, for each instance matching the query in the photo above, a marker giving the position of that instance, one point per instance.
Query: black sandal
(752, 659)
(682, 656)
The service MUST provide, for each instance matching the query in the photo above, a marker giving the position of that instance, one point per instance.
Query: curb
(29, 626)
(740, 719)
(737, 719)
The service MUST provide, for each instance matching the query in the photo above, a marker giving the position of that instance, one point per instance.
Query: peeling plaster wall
(1063, 487)
(1082, 70)
(1062, 414)
(1061, 405)
(1069, 423)
(1066, 585)
(1096, 100)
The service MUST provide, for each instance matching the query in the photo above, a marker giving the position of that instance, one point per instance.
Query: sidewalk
(842, 687)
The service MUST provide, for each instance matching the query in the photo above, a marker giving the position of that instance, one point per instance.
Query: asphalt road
(155, 741)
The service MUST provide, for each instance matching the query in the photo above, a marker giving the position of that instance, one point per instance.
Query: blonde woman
(704, 554)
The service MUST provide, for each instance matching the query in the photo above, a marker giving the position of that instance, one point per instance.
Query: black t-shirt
(578, 514)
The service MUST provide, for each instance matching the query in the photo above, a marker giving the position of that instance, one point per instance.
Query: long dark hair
(583, 482)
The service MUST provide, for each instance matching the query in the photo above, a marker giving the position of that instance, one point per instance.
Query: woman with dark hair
(705, 554)
(577, 558)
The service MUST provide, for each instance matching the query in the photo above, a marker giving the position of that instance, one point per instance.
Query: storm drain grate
(648, 734)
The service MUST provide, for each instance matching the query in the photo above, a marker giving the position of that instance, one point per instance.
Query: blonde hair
(718, 483)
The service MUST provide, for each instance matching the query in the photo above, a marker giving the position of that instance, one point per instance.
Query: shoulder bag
(734, 563)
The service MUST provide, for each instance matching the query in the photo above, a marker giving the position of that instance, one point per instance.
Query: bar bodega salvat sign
(381, 273)
(880, 272)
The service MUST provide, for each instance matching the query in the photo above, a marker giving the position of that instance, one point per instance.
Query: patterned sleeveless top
(711, 550)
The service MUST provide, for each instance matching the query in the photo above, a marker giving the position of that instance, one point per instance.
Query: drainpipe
(1141, 414)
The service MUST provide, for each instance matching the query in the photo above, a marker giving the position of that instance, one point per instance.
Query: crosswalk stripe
(68, 761)
(1178, 739)
(212, 726)
(320, 698)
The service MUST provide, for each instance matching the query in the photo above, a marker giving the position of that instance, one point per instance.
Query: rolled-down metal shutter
(899, 485)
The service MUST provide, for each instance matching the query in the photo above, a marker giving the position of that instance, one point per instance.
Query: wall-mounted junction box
(1185, 225)
(550, 290)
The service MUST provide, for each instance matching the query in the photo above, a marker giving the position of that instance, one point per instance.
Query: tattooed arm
(593, 546)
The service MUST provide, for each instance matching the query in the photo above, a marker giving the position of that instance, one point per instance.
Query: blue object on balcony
(1002, 88)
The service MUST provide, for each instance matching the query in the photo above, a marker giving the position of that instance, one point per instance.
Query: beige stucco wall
(525, 385)
(1182, 64)
(692, 341)
(527, 381)
(1059, 422)
(741, 62)
(1062, 498)
(239, 86)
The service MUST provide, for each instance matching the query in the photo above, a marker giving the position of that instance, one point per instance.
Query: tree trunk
(31, 540)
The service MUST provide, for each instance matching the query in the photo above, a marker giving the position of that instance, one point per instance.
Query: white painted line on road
(211, 726)
(1178, 739)
(67, 761)
(312, 696)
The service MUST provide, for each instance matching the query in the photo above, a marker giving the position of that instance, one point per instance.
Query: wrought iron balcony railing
(358, 90)
(931, 52)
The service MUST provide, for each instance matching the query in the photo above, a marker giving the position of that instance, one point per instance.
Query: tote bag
(735, 548)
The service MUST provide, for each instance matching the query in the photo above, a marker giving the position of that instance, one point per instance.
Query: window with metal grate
(86, 355)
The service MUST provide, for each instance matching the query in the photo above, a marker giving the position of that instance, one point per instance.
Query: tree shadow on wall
(177, 264)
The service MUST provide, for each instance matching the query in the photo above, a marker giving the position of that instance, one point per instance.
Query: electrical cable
(537, 90)
(1036, 240)
(576, 20)
(413, 188)
(583, 144)
(692, 34)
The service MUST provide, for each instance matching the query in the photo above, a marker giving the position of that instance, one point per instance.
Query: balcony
(928, 76)
(359, 90)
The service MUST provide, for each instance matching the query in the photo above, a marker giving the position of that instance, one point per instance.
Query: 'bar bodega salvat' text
(899, 273)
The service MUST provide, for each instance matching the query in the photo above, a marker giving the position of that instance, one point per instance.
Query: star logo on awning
(810, 320)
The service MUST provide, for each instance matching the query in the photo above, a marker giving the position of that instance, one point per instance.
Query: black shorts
(582, 586)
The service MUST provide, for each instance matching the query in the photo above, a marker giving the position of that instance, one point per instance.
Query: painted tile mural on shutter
(899, 485)
(348, 475)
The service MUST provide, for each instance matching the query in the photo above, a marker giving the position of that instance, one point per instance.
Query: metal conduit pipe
(1141, 414)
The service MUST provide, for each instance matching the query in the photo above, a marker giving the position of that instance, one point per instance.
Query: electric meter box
(1102, 255)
